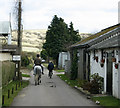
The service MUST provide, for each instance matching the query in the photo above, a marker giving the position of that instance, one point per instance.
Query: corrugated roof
(4, 27)
(92, 37)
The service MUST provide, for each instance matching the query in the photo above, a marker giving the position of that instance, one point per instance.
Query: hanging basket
(116, 65)
(96, 58)
(102, 64)
(102, 60)
(114, 59)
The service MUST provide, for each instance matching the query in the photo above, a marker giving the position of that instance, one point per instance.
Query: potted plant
(102, 60)
(116, 65)
(113, 59)
(96, 58)
(101, 64)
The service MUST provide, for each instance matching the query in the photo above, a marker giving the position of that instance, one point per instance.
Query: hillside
(32, 40)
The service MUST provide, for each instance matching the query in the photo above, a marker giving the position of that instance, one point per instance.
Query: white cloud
(86, 15)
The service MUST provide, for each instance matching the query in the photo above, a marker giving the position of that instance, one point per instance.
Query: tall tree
(56, 36)
(73, 35)
(59, 37)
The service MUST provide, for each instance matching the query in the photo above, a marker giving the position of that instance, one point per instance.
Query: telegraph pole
(19, 36)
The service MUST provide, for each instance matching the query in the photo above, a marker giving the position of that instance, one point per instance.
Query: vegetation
(74, 65)
(25, 75)
(107, 101)
(44, 54)
(72, 83)
(7, 73)
(58, 37)
(95, 85)
(27, 58)
(60, 70)
(8, 101)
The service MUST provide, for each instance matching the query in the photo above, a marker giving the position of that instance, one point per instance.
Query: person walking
(50, 68)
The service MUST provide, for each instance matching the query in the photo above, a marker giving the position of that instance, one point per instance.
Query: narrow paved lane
(51, 92)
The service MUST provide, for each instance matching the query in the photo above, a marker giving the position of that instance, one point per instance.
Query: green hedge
(8, 72)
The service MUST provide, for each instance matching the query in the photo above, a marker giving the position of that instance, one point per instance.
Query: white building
(107, 50)
(95, 55)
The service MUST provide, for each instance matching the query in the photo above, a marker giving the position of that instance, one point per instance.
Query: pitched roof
(5, 27)
(110, 40)
(90, 39)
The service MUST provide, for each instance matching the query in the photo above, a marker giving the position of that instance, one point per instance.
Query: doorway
(109, 73)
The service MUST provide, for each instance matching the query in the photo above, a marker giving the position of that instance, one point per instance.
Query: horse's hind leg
(35, 80)
(39, 79)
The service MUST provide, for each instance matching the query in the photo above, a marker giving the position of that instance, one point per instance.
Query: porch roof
(87, 42)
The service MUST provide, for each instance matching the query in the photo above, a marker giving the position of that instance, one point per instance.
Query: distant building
(63, 56)
(6, 49)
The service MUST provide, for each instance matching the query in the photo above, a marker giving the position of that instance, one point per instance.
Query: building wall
(96, 68)
(61, 61)
(5, 56)
(119, 76)
(115, 78)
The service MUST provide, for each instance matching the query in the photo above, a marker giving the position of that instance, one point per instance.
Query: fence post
(19, 84)
(12, 90)
(3, 100)
(8, 93)
(16, 86)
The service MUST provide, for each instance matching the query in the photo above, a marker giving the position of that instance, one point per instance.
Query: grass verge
(60, 70)
(20, 86)
(107, 101)
(25, 75)
(72, 83)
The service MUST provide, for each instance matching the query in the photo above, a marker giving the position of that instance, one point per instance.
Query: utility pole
(19, 36)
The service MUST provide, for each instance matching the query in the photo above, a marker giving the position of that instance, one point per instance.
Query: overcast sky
(88, 16)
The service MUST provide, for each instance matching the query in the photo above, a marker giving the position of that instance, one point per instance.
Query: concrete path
(51, 92)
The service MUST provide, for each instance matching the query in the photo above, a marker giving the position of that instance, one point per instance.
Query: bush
(74, 66)
(95, 85)
(25, 61)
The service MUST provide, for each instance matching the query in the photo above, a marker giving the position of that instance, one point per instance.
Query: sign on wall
(16, 57)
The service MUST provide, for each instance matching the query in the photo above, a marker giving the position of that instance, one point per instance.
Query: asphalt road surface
(51, 92)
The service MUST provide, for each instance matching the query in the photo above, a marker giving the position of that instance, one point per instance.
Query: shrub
(25, 61)
(74, 66)
(95, 85)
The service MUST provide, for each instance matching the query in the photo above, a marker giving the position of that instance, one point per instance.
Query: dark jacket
(50, 66)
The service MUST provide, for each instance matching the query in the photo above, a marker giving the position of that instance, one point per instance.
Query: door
(87, 67)
(109, 73)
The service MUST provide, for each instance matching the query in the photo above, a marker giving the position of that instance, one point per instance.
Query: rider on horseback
(37, 70)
